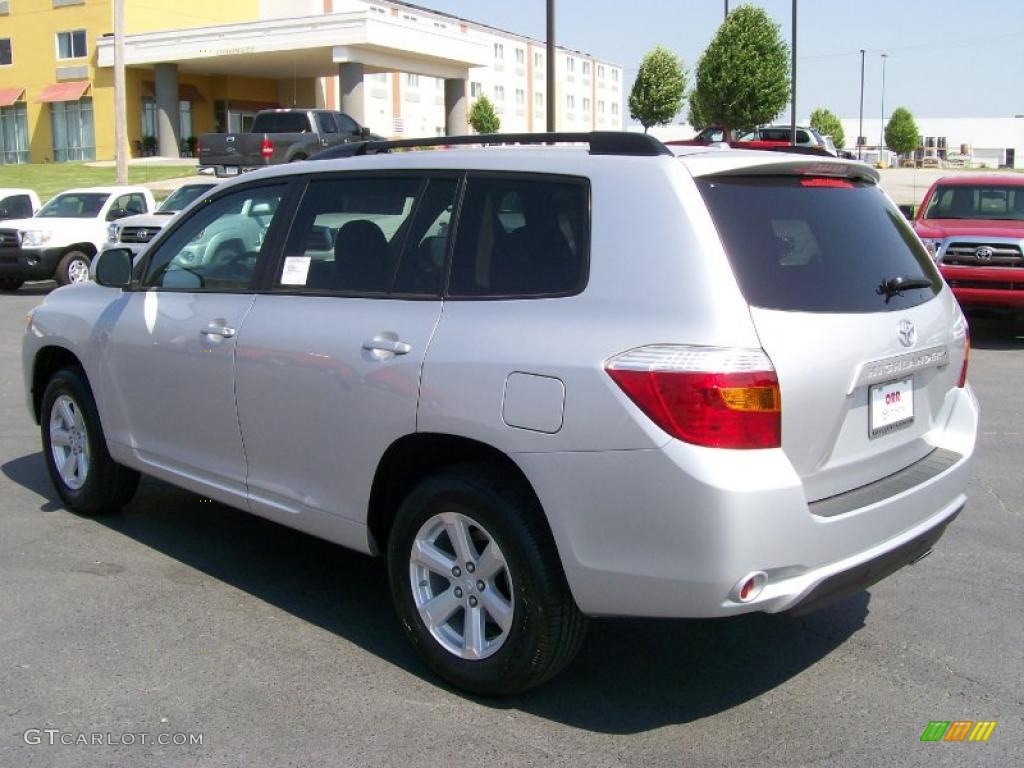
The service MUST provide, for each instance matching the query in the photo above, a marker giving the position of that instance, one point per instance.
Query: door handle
(393, 346)
(218, 330)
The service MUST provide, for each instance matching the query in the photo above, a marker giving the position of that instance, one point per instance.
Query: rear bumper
(990, 298)
(29, 263)
(685, 524)
(229, 171)
(988, 287)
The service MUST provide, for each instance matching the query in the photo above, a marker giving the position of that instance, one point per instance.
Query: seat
(362, 259)
(961, 206)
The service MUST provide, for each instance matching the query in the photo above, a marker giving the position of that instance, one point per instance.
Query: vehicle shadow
(996, 333)
(35, 289)
(631, 676)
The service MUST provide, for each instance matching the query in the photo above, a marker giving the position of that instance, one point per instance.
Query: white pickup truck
(60, 240)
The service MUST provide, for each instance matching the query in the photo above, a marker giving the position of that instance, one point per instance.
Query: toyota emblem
(907, 333)
(983, 254)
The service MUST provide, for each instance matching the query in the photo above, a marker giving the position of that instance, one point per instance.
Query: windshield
(977, 201)
(182, 196)
(811, 244)
(74, 205)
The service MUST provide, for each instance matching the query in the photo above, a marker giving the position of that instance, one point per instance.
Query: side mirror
(364, 132)
(113, 268)
(4, 214)
(117, 213)
(907, 211)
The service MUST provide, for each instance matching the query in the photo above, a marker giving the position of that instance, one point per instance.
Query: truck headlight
(34, 238)
(932, 246)
(113, 233)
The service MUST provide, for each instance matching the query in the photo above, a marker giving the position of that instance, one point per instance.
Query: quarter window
(521, 237)
(71, 45)
(218, 247)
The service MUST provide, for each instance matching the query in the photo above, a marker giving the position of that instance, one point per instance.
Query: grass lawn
(47, 179)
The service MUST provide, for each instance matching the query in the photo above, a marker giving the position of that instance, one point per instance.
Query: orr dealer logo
(958, 730)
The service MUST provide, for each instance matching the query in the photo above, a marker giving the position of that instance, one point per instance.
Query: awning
(10, 95)
(186, 92)
(63, 92)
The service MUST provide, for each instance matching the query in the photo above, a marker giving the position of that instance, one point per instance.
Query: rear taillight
(710, 396)
(967, 357)
(267, 148)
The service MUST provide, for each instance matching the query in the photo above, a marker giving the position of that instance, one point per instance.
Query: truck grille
(983, 255)
(138, 234)
(8, 238)
(993, 285)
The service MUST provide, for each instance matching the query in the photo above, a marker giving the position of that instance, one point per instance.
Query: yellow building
(57, 104)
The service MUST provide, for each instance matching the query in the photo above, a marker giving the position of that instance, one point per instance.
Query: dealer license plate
(891, 406)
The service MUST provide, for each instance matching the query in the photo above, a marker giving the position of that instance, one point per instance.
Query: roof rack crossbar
(600, 142)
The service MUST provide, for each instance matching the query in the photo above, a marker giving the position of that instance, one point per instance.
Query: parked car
(805, 137)
(60, 241)
(277, 136)
(973, 226)
(134, 232)
(544, 382)
(17, 203)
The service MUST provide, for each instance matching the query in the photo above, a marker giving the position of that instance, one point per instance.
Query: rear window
(817, 245)
(281, 122)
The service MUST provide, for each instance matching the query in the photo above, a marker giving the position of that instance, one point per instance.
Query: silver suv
(546, 382)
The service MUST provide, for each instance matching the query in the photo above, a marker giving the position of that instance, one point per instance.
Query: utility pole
(860, 131)
(881, 140)
(551, 67)
(120, 107)
(792, 107)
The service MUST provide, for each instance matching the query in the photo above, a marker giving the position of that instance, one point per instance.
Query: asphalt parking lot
(181, 616)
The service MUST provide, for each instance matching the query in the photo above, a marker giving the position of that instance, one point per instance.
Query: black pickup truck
(277, 136)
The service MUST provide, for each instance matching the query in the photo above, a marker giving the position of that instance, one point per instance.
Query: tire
(522, 577)
(11, 283)
(70, 268)
(68, 413)
(297, 158)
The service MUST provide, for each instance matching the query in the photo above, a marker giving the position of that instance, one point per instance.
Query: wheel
(72, 268)
(478, 585)
(10, 283)
(298, 158)
(75, 451)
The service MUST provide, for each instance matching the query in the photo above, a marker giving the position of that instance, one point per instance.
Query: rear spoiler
(715, 164)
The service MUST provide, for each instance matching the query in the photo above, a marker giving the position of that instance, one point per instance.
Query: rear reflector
(967, 357)
(709, 396)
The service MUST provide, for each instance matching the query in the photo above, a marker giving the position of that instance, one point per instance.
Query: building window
(615, 108)
(615, 75)
(520, 96)
(538, 99)
(499, 92)
(73, 136)
(586, 105)
(185, 120)
(440, 25)
(538, 59)
(14, 134)
(570, 101)
(520, 56)
(407, 17)
(71, 45)
(570, 64)
(586, 67)
(5, 51)
(377, 9)
(475, 89)
(499, 51)
(600, 71)
(600, 107)
(412, 80)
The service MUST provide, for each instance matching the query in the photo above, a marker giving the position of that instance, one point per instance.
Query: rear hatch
(864, 362)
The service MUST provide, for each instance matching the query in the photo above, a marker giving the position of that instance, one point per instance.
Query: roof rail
(601, 143)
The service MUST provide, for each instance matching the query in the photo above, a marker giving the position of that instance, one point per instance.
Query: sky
(946, 58)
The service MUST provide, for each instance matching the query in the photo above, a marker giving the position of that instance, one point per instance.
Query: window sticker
(296, 270)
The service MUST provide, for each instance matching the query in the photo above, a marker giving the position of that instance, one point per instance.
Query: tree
(901, 135)
(827, 124)
(743, 76)
(657, 93)
(482, 116)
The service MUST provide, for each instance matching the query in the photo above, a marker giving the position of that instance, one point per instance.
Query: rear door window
(521, 237)
(816, 244)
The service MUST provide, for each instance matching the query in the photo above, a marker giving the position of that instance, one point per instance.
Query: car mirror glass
(113, 268)
(117, 213)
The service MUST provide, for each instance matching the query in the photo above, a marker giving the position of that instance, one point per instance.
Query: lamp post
(726, 9)
(881, 141)
(792, 106)
(860, 131)
(552, 122)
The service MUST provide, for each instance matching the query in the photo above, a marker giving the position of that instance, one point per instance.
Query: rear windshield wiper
(895, 286)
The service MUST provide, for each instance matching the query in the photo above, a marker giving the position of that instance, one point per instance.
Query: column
(455, 123)
(167, 118)
(353, 102)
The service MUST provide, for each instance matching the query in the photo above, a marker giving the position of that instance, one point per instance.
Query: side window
(521, 237)
(326, 122)
(348, 234)
(218, 247)
(135, 203)
(17, 207)
(346, 124)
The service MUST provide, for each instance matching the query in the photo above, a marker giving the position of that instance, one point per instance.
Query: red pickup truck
(973, 226)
